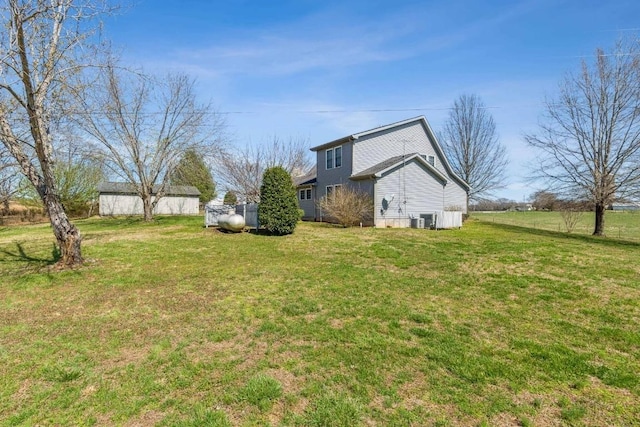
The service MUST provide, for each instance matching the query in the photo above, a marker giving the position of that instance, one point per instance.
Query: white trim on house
(432, 136)
(305, 194)
(393, 163)
(431, 159)
(403, 160)
(333, 160)
(329, 189)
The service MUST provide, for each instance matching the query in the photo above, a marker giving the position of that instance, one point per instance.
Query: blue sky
(325, 69)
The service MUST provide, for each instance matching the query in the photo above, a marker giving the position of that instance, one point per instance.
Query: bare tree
(544, 200)
(9, 175)
(589, 139)
(77, 177)
(43, 44)
(241, 170)
(471, 143)
(142, 126)
(571, 215)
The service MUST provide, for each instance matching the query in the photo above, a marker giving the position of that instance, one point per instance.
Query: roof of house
(306, 179)
(420, 119)
(358, 135)
(128, 188)
(376, 171)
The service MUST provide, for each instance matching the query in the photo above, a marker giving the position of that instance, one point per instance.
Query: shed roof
(376, 171)
(128, 188)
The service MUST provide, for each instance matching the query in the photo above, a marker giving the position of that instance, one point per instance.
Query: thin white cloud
(333, 41)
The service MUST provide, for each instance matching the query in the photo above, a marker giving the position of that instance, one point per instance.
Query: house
(120, 198)
(625, 206)
(401, 166)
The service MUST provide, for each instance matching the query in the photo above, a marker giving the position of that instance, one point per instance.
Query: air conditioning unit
(429, 220)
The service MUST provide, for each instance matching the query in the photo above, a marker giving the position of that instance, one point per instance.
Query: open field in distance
(618, 224)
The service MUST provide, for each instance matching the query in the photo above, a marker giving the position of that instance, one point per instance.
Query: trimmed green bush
(278, 208)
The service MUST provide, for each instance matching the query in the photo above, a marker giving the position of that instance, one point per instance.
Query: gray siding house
(401, 166)
(119, 198)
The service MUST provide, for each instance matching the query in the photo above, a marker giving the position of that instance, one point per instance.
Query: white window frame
(302, 194)
(335, 156)
(333, 164)
(431, 160)
(328, 162)
(330, 189)
(308, 190)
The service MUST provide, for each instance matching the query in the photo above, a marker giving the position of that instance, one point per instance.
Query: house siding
(410, 138)
(333, 176)
(415, 190)
(118, 204)
(455, 196)
(416, 187)
(308, 206)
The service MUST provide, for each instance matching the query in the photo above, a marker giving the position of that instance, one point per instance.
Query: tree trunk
(468, 211)
(147, 207)
(67, 235)
(599, 227)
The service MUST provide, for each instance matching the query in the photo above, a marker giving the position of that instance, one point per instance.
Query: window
(309, 194)
(332, 188)
(302, 194)
(430, 159)
(334, 157)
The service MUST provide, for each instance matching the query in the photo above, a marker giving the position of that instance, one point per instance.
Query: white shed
(120, 198)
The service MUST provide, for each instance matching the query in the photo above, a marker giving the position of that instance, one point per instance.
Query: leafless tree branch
(589, 138)
(141, 126)
(471, 143)
(240, 170)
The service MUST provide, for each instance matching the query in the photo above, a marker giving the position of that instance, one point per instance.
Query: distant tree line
(541, 200)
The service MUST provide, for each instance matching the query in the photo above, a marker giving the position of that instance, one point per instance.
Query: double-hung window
(337, 156)
(334, 157)
(331, 189)
(305, 194)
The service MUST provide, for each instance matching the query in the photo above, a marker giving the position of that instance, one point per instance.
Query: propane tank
(231, 222)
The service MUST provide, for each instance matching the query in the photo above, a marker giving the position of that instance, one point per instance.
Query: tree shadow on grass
(264, 232)
(21, 255)
(600, 240)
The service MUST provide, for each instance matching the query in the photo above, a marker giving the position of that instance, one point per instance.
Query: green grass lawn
(618, 224)
(169, 324)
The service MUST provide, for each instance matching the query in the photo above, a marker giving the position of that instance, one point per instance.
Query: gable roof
(126, 188)
(358, 135)
(420, 119)
(306, 179)
(378, 170)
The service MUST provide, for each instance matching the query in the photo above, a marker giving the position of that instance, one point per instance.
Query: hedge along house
(119, 198)
(401, 166)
